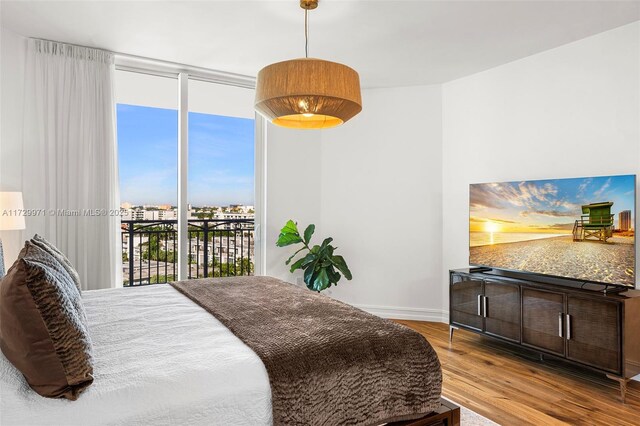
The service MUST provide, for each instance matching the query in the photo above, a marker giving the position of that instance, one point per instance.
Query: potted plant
(321, 267)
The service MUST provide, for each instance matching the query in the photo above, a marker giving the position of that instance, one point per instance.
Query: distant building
(624, 220)
(168, 212)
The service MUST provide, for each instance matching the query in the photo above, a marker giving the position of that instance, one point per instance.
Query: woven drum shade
(308, 93)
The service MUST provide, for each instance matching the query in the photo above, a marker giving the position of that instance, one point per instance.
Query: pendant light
(308, 93)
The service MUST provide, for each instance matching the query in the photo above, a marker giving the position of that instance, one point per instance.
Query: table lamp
(11, 217)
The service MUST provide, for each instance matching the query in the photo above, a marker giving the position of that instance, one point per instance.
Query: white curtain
(70, 170)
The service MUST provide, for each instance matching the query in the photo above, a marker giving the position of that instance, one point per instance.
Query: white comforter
(159, 359)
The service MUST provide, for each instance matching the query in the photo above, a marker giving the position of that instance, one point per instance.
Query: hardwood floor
(512, 386)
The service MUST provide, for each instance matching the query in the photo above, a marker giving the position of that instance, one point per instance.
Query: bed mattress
(159, 359)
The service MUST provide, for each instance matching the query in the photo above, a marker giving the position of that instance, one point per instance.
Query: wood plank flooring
(511, 386)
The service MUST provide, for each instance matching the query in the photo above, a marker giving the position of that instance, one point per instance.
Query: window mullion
(183, 170)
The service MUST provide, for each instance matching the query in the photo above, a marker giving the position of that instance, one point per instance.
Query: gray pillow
(59, 256)
(43, 326)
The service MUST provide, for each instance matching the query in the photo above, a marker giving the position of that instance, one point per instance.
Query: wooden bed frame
(448, 414)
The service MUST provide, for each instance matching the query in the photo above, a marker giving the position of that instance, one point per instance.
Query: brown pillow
(43, 327)
(60, 257)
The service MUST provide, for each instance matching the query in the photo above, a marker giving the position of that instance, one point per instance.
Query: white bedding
(158, 359)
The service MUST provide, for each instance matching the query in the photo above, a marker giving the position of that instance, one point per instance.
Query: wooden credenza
(573, 321)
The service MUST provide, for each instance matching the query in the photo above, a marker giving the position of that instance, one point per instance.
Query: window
(221, 180)
(220, 173)
(147, 119)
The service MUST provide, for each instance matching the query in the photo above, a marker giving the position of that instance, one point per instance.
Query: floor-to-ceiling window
(147, 120)
(219, 236)
(221, 180)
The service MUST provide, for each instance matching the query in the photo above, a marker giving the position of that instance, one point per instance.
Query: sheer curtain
(70, 170)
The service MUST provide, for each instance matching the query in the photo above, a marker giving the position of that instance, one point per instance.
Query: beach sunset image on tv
(582, 228)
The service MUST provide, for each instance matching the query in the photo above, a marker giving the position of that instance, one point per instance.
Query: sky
(550, 206)
(221, 157)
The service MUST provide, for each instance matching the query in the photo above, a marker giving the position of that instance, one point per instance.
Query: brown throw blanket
(328, 363)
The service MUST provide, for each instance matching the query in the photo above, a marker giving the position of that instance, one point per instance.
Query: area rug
(471, 418)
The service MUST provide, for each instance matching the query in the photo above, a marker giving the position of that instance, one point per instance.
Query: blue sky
(221, 156)
(546, 205)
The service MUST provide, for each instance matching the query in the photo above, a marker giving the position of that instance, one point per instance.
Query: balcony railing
(217, 248)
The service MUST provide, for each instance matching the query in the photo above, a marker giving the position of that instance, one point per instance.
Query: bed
(159, 358)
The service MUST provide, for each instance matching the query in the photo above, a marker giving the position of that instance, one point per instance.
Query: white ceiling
(391, 43)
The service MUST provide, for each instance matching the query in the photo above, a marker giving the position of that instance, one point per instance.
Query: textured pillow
(60, 257)
(43, 327)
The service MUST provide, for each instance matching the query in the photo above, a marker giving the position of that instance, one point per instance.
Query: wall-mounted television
(580, 228)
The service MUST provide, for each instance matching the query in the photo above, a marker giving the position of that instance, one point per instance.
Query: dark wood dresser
(577, 322)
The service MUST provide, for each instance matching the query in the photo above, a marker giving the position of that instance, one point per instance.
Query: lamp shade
(308, 93)
(11, 215)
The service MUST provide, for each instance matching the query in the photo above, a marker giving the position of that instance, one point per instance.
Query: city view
(221, 219)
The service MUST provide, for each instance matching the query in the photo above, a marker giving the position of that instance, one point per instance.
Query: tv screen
(582, 228)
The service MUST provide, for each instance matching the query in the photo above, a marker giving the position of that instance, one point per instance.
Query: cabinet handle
(484, 305)
(560, 315)
(568, 327)
(479, 306)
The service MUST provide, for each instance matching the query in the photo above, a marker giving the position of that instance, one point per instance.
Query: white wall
(568, 112)
(12, 66)
(293, 190)
(381, 198)
(374, 185)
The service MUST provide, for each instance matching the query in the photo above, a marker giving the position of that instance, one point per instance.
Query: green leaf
(288, 239)
(310, 257)
(325, 243)
(297, 264)
(290, 228)
(339, 262)
(309, 232)
(321, 281)
(334, 275)
(289, 235)
(308, 275)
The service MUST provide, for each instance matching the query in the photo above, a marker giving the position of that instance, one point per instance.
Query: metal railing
(217, 248)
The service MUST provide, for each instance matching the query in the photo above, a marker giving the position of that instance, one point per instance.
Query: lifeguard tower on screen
(596, 223)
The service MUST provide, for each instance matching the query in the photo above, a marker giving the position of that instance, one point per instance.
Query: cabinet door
(543, 320)
(464, 301)
(502, 314)
(593, 332)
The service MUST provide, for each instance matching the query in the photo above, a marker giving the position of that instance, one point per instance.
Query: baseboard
(397, 312)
